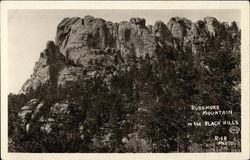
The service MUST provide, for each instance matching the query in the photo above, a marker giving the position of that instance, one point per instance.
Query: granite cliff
(81, 41)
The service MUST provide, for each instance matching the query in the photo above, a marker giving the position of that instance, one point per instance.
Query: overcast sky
(29, 30)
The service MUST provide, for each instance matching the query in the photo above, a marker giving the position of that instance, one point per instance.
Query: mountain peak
(79, 39)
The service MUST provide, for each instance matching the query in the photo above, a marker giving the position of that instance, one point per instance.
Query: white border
(243, 6)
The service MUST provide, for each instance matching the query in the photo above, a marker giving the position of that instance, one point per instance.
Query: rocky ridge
(81, 41)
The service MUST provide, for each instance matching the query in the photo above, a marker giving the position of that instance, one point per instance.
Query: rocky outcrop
(82, 42)
(37, 115)
(46, 69)
(183, 31)
(30, 112)
(211, 25)
(63, 29)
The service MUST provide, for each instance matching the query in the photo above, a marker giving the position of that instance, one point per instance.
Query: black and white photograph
(125, 80)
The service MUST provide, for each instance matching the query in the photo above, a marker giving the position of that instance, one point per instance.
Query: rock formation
(80, 41)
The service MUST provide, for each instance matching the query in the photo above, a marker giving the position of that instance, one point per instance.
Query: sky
(29, 30)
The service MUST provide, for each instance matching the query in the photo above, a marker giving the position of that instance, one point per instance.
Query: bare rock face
(211, 25)
(112, 34)
(45, 70)
(182, 30)
(63, 29)
(81, 36)
(98, 29)
(179, 27)
(162, 34)
(87, 34)
(84, 42)
(135, 39)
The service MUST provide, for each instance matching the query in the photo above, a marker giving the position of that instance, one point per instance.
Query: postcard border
(243, 6)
